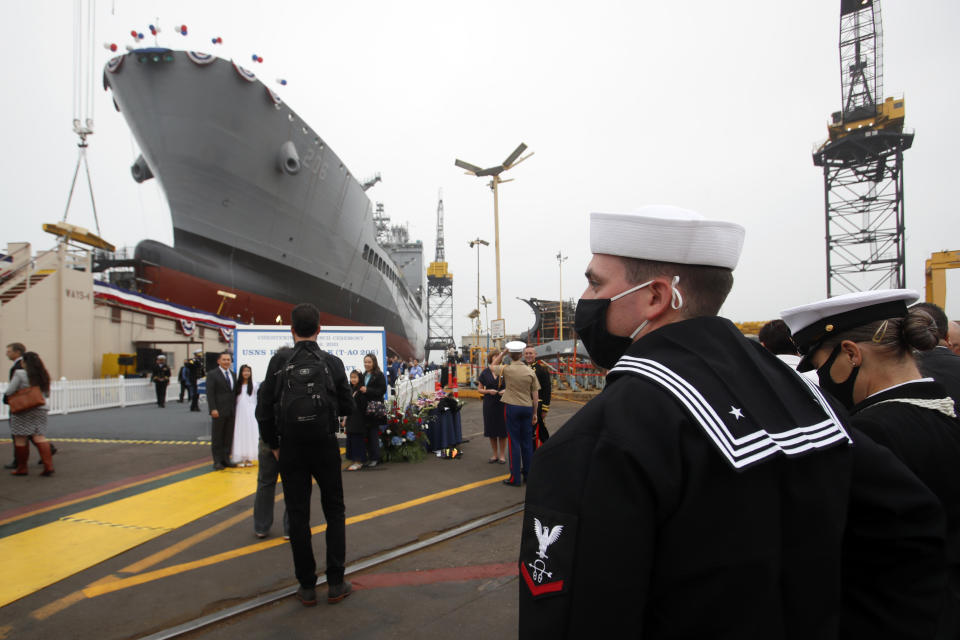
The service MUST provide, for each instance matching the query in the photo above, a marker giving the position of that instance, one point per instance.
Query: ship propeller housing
(289, 160)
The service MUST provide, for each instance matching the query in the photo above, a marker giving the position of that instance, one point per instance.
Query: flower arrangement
(403, 437)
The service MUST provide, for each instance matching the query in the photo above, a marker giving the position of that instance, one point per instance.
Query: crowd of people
(805, 485)
(711, 491)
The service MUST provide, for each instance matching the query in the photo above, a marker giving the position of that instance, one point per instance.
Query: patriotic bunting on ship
(246, 75)
(226, 333)
(114, 64)
(200, 58)
(110, 293)
(272, 95)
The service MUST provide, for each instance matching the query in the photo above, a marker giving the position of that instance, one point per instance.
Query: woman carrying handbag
(373, 387)
(26, 394)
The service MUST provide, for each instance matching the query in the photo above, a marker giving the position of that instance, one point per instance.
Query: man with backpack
(304, 391)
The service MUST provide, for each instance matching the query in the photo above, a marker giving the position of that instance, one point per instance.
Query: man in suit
(221, 400)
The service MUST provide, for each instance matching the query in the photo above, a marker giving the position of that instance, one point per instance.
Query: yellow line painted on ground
(49, 553)
(186, 543)
(92, 496)
(112, 441)
(102, 588)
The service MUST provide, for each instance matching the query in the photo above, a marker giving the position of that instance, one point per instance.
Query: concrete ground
(464, 587)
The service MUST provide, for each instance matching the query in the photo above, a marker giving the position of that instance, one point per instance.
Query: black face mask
(842, 391)
(590, 323)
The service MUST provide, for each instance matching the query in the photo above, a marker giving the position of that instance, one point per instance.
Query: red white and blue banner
(200, 58)
(272, 95)
(226, 333)
(249, 76)
(114, 64)
(110, 293)
(187, 327)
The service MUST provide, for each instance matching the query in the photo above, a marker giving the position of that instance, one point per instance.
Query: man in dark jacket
(708, 491)
(309, 452)
(222, 403)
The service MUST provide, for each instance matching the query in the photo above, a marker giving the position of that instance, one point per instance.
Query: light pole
(486, 317)
(560, 260)
(478, 243)
(494, 172)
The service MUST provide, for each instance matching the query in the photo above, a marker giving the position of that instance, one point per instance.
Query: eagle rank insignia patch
(546, 551)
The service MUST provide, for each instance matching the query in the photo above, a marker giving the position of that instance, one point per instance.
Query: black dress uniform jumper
(704, 494)
(918, 423)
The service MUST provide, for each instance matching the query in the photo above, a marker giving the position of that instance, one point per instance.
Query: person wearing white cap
(703, 493)
(161, 378)
(195, 371)
(861, 345)
(520, 397)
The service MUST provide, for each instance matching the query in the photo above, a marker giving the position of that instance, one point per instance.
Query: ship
(265, 215)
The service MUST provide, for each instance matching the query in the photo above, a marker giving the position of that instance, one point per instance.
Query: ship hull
(263, 290)
(243, 222)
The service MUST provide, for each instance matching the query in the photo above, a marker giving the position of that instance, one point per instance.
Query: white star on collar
(736, 412)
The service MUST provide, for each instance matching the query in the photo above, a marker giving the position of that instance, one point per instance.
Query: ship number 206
(314, 162)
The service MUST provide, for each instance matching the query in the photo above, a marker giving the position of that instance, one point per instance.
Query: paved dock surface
(135, 533)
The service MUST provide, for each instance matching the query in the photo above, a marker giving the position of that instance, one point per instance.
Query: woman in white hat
(861, 345)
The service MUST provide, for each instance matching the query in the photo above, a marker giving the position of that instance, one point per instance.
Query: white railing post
(122, 391)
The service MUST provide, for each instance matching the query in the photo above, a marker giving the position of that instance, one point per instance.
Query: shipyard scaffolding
(439, 296)
(863, 164)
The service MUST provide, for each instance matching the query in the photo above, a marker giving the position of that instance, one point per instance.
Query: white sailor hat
(515, 346)
(813, 323)
(667, 234)
(196, 351)
(161, 357)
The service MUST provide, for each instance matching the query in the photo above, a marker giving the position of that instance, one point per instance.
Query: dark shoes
(512, 484)
(307, 597)
(337, 592)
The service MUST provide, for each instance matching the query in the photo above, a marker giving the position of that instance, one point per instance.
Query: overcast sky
(713, 106)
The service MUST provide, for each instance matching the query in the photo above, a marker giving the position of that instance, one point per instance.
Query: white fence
(408, 389)
(68, 396)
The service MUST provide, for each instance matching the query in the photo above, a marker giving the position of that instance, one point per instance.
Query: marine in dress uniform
(704, 493)
(869, 347)
(520, 395)
(540, 433)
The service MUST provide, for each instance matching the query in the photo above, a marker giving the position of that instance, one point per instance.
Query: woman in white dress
(246, 434)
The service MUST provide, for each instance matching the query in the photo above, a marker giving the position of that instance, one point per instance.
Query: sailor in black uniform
(940, 362)
(161, 378)
(705, 492)
(861, 346)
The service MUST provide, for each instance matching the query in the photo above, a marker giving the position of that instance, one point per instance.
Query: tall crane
(439, 295)
(862, 162)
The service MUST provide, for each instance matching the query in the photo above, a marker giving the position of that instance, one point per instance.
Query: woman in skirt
(31, 423)
(246, 435)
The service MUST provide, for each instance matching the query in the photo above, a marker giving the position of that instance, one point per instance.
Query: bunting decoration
(187, 327)
(200, 58)
(272, 95)
(114, 64)
(226, 333)
(249, 76)
(113, 294)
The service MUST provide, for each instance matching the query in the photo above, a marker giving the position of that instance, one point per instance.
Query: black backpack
(307, 395)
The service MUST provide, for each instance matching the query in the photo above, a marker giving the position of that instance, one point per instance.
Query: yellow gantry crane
(936, 277)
